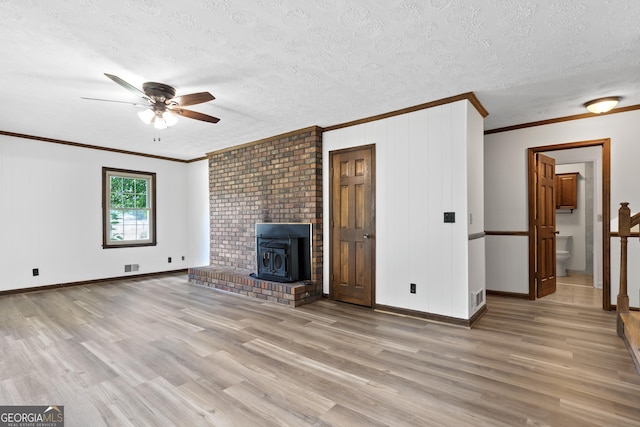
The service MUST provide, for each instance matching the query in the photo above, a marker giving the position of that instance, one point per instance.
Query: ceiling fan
(163, 106)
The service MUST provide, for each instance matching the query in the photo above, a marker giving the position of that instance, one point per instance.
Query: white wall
(507, 263)
(421, 172)
(198, 213)
(506, 191)
(50, 214)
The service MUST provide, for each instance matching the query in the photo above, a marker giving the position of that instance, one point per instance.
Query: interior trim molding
(469, 96)
(561, 119)
(263, 140)
(89, 282)
(478, 315)
(433, 317)
(605, 145)
(506, 233)
(197, 159)
(508, 294)
(91, 147)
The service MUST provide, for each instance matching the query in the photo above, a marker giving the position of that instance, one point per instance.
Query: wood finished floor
(576, 289)
(162, 352)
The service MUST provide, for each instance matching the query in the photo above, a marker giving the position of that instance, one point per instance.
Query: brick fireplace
(275, 180)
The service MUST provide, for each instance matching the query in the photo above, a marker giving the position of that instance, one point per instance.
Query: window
(129, 208)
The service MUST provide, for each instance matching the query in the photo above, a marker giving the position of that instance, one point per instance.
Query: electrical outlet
(183, 257)
(169, 259)
(36, 272)
(412, 288)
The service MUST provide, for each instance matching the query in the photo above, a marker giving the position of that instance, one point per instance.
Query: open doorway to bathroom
(587, 281)
(577, 268)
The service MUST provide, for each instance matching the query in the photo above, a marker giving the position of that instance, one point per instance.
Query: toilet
(562, 254)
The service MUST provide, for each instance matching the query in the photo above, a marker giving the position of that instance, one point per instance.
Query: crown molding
(561, 119)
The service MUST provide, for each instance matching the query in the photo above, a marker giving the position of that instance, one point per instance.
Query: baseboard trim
(454, 321)
(88, 282)
(508, 294)
(478, 315)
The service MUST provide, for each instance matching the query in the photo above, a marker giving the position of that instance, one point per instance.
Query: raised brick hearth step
(239, 281)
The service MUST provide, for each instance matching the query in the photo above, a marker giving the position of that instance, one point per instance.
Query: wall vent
(479, 298)
(131, 267)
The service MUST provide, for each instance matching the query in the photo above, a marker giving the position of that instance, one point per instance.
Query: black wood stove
(283, 252)
(278, 258)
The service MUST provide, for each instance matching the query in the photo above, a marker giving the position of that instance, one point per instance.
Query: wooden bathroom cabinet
(567, 190)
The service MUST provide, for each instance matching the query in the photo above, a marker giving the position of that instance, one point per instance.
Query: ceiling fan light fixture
(147, 115)
(602, 105)
(160, 119)
(169, 118)
(161, 99)
(159, 123)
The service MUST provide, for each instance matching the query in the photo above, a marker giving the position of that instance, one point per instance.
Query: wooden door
(545, 225)
(352, 226)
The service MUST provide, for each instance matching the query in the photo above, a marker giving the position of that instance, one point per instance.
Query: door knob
(366, 236)
(556, 232)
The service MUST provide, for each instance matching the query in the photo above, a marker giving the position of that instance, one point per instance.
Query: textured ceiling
(280, 65)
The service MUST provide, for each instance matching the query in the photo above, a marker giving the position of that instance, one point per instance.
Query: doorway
(579, 241)
(352, 211)
(536, 268)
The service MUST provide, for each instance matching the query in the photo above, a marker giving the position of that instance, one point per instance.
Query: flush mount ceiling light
(602, 105)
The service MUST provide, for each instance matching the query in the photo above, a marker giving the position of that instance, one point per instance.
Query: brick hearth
(240, 282)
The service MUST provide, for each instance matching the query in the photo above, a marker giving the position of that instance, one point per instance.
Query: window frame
(107, 173)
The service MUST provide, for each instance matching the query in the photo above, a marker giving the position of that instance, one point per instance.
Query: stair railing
(625, 223)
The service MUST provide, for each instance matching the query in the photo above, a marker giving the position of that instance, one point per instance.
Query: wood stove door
(353, 226)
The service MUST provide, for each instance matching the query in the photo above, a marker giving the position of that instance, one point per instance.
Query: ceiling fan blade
(112, 100)
(193, 115)
(127, 86)
(192, 99)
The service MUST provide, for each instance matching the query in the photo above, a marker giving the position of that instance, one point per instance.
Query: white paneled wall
(421, 172)
(198, 214)
(507, 264)
(506, 190)
(50, 214)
